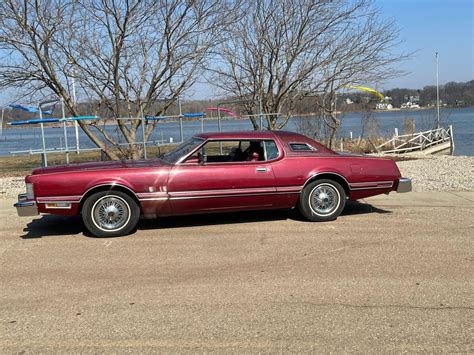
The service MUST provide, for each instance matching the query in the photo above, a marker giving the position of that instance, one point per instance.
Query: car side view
(209, 173)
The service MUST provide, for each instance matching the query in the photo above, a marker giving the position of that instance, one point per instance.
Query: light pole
(437, 91)
(181, 132)
(66, 145)
(74, 99)
(1, 122)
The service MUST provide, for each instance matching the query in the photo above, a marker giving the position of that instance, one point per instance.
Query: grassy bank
(23, 164)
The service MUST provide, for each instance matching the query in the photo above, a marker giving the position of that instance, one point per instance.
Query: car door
(221, 185)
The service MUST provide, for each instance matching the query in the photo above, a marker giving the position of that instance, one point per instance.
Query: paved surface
(393, 273)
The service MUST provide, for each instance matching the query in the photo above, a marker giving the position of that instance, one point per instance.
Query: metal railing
(417, 141)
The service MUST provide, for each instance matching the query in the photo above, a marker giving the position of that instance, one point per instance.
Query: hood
(102, 165)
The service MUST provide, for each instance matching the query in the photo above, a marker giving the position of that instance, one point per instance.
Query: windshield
(182, 150)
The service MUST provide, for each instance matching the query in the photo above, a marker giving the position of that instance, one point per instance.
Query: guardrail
(417, 141)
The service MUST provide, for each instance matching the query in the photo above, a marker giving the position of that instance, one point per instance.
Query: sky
(426, 26)
(429, 26)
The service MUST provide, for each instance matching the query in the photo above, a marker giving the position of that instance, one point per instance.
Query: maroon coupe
(211, 172)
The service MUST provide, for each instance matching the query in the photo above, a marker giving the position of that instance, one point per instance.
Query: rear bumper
(25, 207)
(404, 185)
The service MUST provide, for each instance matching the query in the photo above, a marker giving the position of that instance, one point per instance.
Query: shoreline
(110, 122)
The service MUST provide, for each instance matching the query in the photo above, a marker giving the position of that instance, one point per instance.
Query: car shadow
(352, 208)
(52, 225)
(358, 207)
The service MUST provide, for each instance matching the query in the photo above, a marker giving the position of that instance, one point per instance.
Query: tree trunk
(334, 127)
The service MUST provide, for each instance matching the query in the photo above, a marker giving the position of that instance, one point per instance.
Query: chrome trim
(229, 195)
(153, 199)
(370, 188)
(26, 208)
(371, 185)
(22, 197)
(255, 190)
(294, 189)
(326, 172)
(189, 195)
(108, 184)
(280, 151)
(265, 151)
(261, 170)
(59, 199)
(143, 195)
(404, 185)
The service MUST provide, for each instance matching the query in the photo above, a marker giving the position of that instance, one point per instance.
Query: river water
(462, 119)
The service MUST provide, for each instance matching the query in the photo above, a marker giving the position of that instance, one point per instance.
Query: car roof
(285, 138)
(247, 135)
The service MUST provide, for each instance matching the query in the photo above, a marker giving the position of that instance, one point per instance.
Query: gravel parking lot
(392, 274)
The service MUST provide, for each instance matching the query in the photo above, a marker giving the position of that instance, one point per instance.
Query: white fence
(418, 141)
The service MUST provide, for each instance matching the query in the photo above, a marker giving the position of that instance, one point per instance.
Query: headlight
(29, 191)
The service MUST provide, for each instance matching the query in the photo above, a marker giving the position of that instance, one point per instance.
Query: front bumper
(25, 207)
(404, 185)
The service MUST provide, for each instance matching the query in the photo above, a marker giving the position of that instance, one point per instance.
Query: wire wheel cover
(110, 213)
(324, 199)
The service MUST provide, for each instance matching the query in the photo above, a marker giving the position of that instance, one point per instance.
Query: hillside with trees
(452, 93)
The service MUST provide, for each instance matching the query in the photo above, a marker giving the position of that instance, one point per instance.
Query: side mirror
(202, 158)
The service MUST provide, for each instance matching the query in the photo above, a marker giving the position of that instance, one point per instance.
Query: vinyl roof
(246, 135)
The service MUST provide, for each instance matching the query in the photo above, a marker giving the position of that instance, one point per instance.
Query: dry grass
(360, 146)
(22, 165)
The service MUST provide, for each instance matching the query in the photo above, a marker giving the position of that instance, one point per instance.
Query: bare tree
(132, 57)
(282, 51)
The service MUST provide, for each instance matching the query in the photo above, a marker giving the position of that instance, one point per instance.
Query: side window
(220, 148)
(271, 149)
(226, 151)
(233, 151)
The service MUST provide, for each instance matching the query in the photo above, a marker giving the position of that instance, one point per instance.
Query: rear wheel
(322, 200)
(110, 214)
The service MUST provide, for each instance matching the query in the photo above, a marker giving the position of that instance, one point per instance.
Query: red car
(211, 172)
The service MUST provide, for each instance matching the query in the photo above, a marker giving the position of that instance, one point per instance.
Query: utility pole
(181, 131)
(143, 132)
(66, 145)
(437, 91)
(74, 99)
(1, 122)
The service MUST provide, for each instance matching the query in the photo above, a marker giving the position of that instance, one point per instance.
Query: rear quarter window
(301, 147)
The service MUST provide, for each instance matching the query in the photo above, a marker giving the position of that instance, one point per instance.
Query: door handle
(261, 170)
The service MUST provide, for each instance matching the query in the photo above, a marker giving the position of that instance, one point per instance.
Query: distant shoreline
(187, 119)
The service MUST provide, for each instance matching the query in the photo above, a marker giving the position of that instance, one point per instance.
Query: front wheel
(322, 200)
(110, 214)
